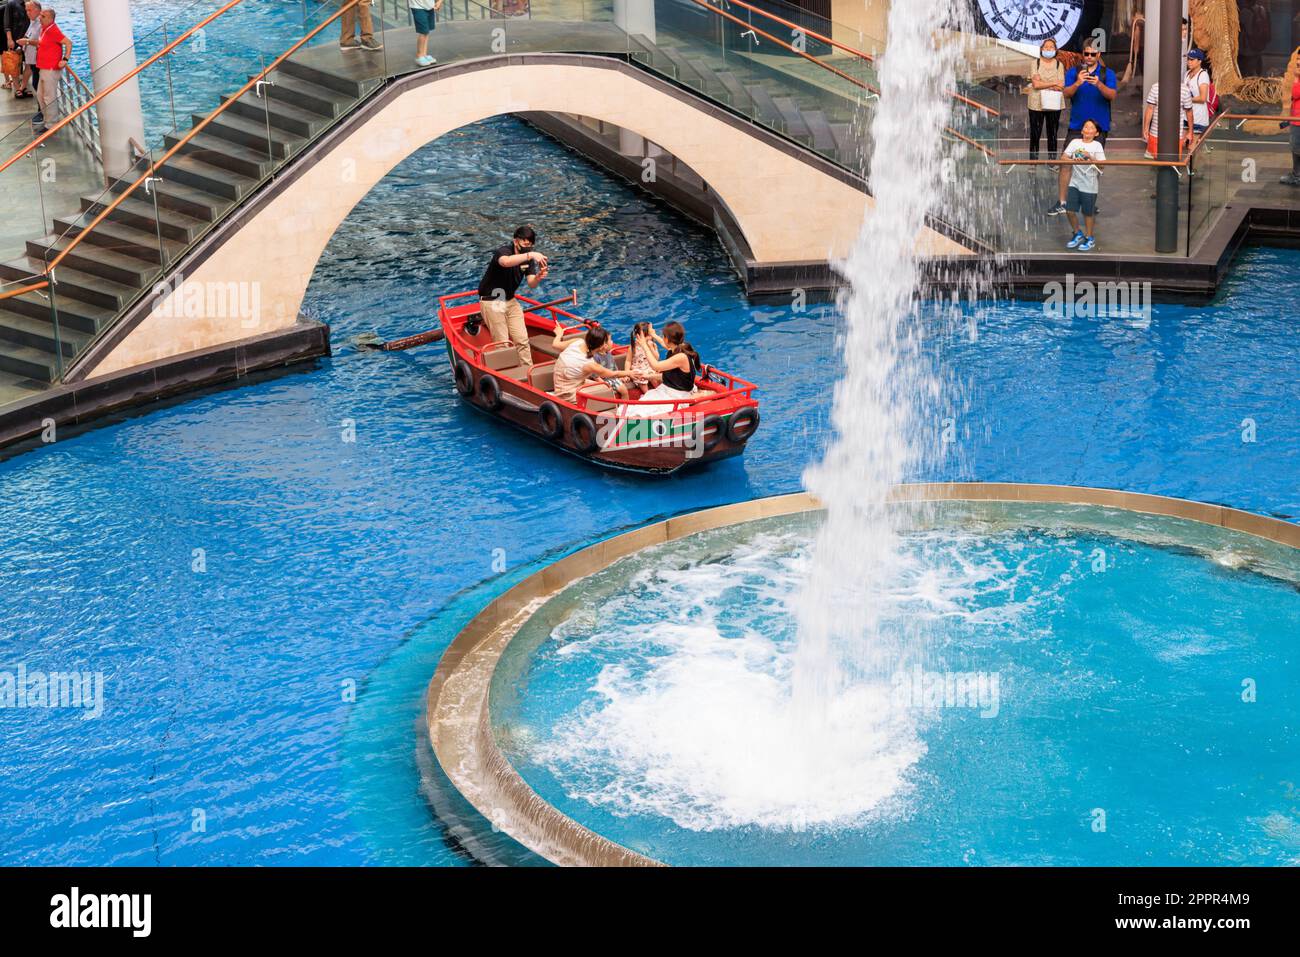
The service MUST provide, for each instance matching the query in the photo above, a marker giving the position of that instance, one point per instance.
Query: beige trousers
(505, 322)
(349, 20)
(47, 95)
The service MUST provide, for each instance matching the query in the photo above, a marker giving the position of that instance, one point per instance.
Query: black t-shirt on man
(497, 277)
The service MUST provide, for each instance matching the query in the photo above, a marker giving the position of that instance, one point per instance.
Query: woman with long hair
(678, 368)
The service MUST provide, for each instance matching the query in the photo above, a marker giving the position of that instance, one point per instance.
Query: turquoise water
(1128, 702)
(333, 563)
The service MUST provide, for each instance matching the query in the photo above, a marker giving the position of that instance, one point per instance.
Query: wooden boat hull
(715, 425)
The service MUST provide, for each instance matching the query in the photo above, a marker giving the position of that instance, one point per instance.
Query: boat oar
(436, 334)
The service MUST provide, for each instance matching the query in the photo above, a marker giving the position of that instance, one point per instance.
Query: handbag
(11, 62)
(1050, 99)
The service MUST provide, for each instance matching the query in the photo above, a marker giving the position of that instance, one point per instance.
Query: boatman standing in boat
(511, 264)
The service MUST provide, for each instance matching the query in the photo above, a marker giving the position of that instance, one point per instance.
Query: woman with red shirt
(52, 52)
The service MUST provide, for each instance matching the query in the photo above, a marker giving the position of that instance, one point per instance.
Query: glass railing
(1243, 160)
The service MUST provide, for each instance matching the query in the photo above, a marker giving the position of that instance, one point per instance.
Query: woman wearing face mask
(1045, 93)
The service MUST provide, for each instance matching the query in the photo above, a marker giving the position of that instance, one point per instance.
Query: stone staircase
(816, 118)
(122, 256)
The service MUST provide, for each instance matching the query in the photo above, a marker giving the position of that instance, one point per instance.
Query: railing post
(54, 321)
(1170, 119)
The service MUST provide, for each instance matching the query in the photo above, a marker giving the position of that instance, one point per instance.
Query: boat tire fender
(464, 378)
(549, 420)
(489, 390)
(582, 433)
(743, 425)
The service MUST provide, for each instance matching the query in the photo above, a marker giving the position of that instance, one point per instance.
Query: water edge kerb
(456, 714)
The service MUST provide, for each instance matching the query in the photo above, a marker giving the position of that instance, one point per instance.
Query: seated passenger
(635, 362)
(576, 366)
(678, 369)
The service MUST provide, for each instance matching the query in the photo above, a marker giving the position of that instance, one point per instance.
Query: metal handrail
(194, 131)
(861, 84)
(117, 83)
(831, 41)
(86, 122)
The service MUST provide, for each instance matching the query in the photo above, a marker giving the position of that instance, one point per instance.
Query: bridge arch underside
(790, 205)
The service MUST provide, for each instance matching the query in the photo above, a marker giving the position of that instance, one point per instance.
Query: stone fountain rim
(456, 714)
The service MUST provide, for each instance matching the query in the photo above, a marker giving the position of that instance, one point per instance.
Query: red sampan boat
(713, 424)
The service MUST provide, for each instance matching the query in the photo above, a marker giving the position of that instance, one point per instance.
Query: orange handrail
(862, 84)
(777, 40)
(18, 292)
(113, 86)
(831, 41)
(194, 131)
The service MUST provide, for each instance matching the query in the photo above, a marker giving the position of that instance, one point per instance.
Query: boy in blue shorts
(1085, 182)
(422, 12)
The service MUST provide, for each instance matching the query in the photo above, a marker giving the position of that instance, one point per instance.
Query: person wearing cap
(1197, 83)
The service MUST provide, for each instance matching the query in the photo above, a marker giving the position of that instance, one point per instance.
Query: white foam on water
(694, 717)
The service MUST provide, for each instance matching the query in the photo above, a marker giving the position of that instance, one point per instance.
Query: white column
(1151, 49)
(634, 17)
(112, 55)
(1151, 45)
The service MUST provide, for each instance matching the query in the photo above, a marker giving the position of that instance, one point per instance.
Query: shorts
(1074, 134)
(424, 21)
(1153, 147)
(1077, 202)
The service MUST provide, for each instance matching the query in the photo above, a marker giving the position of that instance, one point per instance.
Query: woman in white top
(1045, 95)
(1197, 82)
(575, 365)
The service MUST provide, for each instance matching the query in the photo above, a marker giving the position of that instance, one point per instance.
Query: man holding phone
(1090, 89)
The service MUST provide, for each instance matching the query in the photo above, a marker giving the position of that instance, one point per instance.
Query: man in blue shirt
(1090, 89)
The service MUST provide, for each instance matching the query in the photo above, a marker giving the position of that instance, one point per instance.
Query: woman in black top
(679, 370)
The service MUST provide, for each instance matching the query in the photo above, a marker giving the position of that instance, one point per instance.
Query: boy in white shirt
(1085, 183)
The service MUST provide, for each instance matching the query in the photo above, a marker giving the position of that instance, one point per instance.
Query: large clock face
(1032, 21)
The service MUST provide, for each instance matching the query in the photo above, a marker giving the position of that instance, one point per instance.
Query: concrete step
(766, 108)
(74, 284)
(253, 134)
(139, 214)
(284, 116)
(74, 314)
(738, 96)
(26, 362)
(350, 87)
(791, 115)
(216, 151)
(306, 95)
(218, 182)
(180, 198)
(14, 387)
(93, 260)
(39, 335)
(823, 140)
(142, 244)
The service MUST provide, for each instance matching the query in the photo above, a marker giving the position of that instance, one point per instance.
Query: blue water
(1121, 718)
(331, 561)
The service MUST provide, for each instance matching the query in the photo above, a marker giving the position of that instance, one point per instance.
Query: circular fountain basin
(1085, 677)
